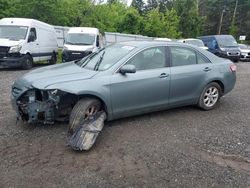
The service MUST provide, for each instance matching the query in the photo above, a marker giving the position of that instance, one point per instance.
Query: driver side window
(33, 33)
(151, 58)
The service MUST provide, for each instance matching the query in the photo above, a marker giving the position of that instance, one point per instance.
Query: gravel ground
(183, 147)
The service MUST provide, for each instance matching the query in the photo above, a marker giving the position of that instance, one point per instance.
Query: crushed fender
(85, 135)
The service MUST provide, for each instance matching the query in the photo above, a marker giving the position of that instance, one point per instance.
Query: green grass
(59, 56)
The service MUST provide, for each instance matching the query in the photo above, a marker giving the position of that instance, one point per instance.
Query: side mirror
(128, 69)
(31, 38)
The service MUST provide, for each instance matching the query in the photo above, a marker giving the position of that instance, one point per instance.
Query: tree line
(154, 18)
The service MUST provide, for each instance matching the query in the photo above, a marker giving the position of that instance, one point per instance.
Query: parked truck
(25, 41)
(223, 46)
(80, 42)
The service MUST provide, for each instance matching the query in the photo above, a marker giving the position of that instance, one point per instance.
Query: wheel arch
(104, 103)
(221, 84)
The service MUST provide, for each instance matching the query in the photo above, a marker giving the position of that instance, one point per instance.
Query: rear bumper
(232, 57)
(12, 62)
(230, 81)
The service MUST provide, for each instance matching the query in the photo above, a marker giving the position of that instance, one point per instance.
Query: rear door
(33, 45)
(147, 89)
(189, 72)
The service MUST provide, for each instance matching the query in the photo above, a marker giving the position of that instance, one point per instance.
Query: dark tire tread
(201, 104)
(77, 113)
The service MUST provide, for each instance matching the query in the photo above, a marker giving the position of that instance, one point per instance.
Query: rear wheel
(83, 110)
(210, 96)
(28, 62)
(53, 58)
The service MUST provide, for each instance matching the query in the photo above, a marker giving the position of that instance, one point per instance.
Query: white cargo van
(80, 42)
(24, 41)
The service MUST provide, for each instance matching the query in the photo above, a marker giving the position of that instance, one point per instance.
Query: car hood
(48, 76)
(9, 43)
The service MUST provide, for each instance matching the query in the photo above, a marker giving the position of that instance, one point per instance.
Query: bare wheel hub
(92, 110)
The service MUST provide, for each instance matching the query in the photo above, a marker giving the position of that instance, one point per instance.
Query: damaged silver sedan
(123, 79)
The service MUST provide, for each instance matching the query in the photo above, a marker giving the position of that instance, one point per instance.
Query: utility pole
(221, 19)
(235, 9)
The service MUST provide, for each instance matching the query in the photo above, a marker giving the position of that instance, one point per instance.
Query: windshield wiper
(97, 65)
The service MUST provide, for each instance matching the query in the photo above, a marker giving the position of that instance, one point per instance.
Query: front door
(144, 91)
(33, 45)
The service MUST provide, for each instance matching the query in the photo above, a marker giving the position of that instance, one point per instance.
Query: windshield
(105, 58)
(243, 46)
(198, 43)
(227, 41)
(80, 39)
(13, 32)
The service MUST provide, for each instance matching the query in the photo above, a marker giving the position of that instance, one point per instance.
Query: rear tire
(28, 62)
(210, 96)
(82, 110)
(53, 59)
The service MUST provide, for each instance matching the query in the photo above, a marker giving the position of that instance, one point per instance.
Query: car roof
(140, 44)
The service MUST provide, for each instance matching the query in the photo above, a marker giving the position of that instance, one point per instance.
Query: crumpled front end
(36, 106)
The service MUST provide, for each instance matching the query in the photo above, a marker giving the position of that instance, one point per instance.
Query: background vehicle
(245, 52)
(124, 79)
(80, 42)
(24, 41)
(163, 39)
(197, 42)
(222, 46)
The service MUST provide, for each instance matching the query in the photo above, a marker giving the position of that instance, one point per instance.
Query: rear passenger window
(201, 59)
(182, 56)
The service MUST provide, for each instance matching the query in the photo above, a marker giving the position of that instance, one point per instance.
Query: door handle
(37, 44)
(163, 75)
(207, 69)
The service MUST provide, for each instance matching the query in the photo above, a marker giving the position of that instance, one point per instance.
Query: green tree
(190, 20)
(106, 17)
(6, 8)
(158, 24)
(131, 22)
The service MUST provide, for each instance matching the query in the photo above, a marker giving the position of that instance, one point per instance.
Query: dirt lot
(184, 147)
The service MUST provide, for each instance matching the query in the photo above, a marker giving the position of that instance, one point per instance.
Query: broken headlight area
(39, 106)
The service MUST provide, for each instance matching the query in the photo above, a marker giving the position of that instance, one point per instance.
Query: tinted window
(33, 32)
(151, 58)
(97, 41)
(182, 56)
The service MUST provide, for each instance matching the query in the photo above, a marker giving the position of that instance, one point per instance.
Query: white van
(24, 41)
(80, 42)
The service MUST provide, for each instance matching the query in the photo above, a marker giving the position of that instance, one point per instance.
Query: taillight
(233, 67)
